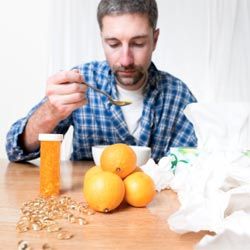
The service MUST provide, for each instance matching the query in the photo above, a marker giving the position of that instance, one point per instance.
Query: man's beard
(137, 74)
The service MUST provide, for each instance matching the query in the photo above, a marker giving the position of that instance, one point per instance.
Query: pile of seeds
(24, 245)
(42, 214)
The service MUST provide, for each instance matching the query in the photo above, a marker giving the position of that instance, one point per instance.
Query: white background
(203, 42)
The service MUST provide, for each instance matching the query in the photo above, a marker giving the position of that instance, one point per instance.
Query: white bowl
(143, 154)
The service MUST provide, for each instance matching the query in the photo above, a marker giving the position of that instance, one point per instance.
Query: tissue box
(247, 153)
(182, 155)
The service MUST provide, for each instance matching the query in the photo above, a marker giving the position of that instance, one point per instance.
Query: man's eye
(114, 45)
(138, 45)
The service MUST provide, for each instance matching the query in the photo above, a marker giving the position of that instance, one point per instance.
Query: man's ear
(155, 37)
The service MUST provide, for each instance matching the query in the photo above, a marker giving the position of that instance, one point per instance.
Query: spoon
(111, 99)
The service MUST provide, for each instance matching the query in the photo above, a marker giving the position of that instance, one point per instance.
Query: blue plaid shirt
(163, 124)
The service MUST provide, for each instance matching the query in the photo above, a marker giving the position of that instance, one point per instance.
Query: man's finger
(65, 77)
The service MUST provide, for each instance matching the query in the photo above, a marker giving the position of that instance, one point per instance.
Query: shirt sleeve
(183, 134)
(14, 149)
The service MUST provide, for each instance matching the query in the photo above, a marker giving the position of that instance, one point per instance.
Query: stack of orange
(117, 178)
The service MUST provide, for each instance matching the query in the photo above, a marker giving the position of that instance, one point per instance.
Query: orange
(91, 171)
(137, 169)
(139, 189)
(119, 159)
(104, 191)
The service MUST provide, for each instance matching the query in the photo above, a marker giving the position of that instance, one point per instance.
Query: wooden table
(125, 228)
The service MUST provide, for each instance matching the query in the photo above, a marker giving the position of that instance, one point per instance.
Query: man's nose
(127, 57)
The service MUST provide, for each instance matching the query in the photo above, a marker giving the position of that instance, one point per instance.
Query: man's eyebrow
(132, 38)
(110, 39)
(139, 37)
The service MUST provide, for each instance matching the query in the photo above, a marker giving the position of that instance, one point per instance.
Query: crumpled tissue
(234, 235)
(161, 173)
(214, 187)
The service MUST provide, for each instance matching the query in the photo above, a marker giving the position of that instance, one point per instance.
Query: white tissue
(202, 201)
(160, 173)
(227, 240)
(220, 125)
(234, 235)
(216, 187)
(213, 188)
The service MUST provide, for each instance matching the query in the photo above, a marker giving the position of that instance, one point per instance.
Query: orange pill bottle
(50, 145)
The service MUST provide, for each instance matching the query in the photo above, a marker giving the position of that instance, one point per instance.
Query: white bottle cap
(50, 137)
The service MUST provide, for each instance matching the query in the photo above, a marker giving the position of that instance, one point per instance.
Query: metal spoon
(111, 99)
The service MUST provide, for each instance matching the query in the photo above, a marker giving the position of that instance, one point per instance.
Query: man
(155, 118)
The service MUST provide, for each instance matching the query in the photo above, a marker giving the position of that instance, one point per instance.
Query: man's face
(128, 42)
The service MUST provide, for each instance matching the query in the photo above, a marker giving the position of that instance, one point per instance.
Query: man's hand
(65, 93)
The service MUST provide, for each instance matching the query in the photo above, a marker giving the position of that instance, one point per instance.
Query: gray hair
(119, 7)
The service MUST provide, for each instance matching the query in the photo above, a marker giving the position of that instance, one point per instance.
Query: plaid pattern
(163, 124)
